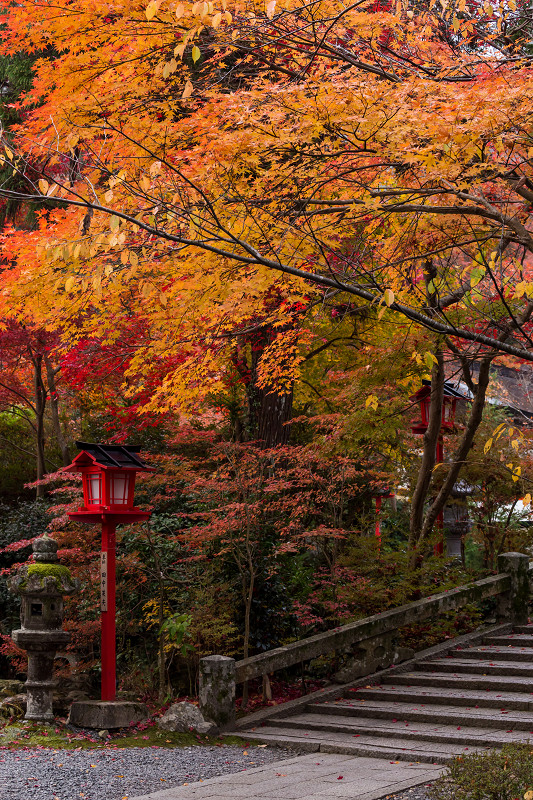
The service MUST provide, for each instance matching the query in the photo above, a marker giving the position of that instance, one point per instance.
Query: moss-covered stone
(53, 570)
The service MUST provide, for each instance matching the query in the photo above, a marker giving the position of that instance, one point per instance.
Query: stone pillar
(513, 607)
(41, 586)
(217, 689)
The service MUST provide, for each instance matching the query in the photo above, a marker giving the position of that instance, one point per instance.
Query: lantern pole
(107, 609)
(112, 469)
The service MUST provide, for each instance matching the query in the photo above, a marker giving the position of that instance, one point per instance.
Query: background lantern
(449, 403)
(108, 478)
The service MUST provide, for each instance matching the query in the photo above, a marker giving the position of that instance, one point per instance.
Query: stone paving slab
(317, 776)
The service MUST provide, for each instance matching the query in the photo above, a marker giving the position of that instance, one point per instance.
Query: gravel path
(117, 773)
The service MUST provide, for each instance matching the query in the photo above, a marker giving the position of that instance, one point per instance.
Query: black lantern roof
(449, 389)
(115, 456)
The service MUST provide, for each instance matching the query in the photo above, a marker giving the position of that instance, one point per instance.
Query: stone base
(99, 714)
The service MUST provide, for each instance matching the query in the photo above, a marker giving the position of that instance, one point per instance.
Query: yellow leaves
(477, 275)
(270, 9)
(180, 49)
(516, 472)
(388, 297)
(69, 283)
(426, 359)
(114, 223)
(188, 90)
(217, 19)
(170, 67)
(179, 10)
(429, 359)
(488, 445)
(526, 500)
(152, 8)
(43, 186)
(195, 53)
(372, 402)
(523, 288)
(97, 285)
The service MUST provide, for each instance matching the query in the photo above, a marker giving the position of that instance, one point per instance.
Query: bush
(505, 774)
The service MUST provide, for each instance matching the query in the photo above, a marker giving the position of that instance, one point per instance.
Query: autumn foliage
(256, 227)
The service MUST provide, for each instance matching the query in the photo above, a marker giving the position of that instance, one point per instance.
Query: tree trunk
(461, 454)
(54, 407)
(40, 406)
(431, 437)
(269, 409)
(275, 411)
(248, 596)
(161, 660)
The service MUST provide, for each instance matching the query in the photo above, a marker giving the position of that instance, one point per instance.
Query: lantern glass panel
(94, 489)
(119, 489)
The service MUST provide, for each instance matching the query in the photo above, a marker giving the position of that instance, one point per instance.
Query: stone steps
(396, 749)
(486, 683)
(523, 629)
(427, 712)
(466, 666)
(475, 698)
(364, 727)
(494, 653)
(511, 640)
(445, 695)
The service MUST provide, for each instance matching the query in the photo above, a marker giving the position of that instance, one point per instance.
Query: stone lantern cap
(44, 576)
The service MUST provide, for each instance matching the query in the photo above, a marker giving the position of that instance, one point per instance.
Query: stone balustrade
(371, 642)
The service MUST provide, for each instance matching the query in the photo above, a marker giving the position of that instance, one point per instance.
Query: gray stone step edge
(441, 755)
(338, 690)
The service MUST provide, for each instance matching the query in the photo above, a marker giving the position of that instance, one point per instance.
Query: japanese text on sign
(103, 581)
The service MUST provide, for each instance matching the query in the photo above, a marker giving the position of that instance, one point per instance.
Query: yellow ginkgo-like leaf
(188, 90)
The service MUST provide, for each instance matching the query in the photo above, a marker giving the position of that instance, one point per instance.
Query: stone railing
(370, 641)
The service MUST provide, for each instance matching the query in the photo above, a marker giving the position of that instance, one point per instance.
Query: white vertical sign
(103, 581)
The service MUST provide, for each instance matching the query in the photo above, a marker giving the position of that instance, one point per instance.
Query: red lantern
(449, 403)
(108, 478)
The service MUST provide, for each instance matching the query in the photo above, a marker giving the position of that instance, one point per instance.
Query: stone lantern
(41, 586)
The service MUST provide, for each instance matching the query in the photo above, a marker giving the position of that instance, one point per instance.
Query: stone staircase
(475, 698)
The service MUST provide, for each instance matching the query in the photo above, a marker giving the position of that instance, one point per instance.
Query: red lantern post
(108, 478)
(449, 403)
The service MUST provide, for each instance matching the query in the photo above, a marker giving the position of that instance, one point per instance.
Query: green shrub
(505, 774)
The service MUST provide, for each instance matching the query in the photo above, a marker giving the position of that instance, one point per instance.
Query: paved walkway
(318, 776)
